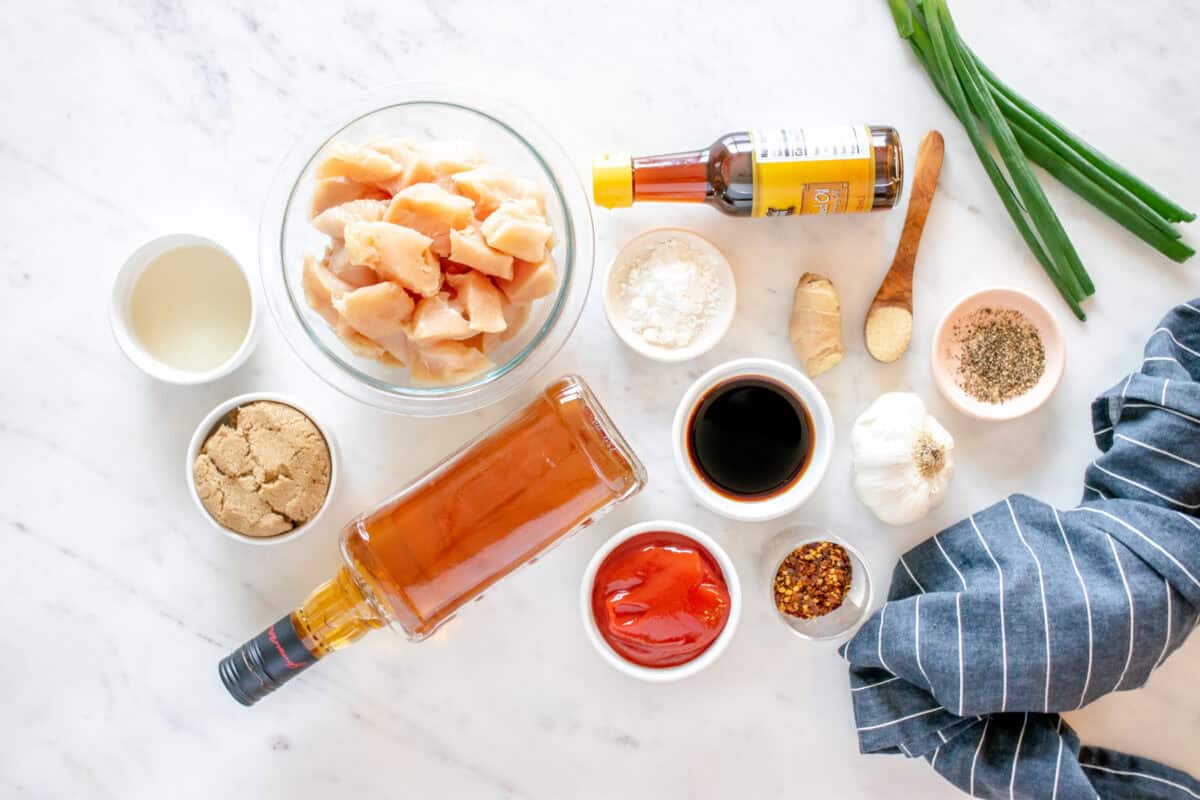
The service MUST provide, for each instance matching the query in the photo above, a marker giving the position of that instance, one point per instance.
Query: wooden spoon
(889, 319)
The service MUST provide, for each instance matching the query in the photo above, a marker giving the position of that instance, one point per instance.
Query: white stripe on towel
(1012, 778)
(1149, 541)
(1112, 543)
(1167, 640)
(917, 647)
(978, 747)
(958, 612)
(948, 561)
(1188, 417)
(901, 719)
(904, 564)
(1042, 586)
(876, 683)
(1158, 450)
(1131, 773)
(1145, 488)
(1178, 343)
(1003, 632)
(1087, 604)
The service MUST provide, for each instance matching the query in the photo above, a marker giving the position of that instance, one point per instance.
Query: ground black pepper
(1000, 354)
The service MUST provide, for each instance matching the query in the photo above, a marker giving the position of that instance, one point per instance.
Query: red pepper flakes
(813, 580)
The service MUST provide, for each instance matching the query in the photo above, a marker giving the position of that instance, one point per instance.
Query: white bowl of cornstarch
(670, 294)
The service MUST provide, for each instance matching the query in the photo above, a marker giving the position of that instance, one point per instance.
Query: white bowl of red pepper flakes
(820, 586)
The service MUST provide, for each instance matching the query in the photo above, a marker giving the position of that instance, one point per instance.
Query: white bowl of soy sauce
(752, 439)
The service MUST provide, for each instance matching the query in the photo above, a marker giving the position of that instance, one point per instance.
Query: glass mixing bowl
(507, 138)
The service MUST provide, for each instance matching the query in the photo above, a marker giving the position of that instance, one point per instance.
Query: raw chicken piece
(518, 228)
(432, 210)
(468, 247)
(335, 191)
(530, 281)
(415, 168)
(361, 164)
(449, 158)
(515, 317)
(376, 311)
(397, 253)
(356, 342)
(491, 186)
(321, 287)
(397, 348)
(333, 221)
(337, 259)
(435, 318)
(447, 363)
(482, 301)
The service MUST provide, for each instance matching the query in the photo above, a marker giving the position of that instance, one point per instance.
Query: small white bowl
(210, 423)
(122, 323)
(700, 662)
(944, 357)
(613, 304)
(775, 506)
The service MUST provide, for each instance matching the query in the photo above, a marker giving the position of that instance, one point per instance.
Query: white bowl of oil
(183, 309)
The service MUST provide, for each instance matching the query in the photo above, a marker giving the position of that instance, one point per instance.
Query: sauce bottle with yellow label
(765, 173)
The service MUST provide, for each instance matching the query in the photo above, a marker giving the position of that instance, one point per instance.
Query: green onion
(1021, 133)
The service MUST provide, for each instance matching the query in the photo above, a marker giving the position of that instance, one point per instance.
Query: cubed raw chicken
(397, 347)
(447, 363)
(491, 186)
(530, 281)
(337, 259)
(468, 247)
(432, 210)
(482, 301)
(361, 164)
(321, 287)
(518, 228)
(436, 318)
(515, 317)
(333, 221)
(415, 167)
(332, 192)
(356, 342)
(449, 158)
(376, 311)
(397, 253)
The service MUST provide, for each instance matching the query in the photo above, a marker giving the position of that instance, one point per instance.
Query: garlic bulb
(903, 459)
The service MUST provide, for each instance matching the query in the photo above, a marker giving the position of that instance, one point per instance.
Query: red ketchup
(660, 599)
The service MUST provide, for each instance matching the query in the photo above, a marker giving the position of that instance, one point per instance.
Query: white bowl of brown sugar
(261, 469)
(998, 354)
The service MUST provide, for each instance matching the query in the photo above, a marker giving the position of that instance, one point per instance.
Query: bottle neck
(672, 177)
(336, 614)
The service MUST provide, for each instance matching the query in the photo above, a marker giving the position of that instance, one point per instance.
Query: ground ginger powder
(263, 471)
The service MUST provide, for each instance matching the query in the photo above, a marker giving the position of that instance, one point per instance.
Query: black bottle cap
(265, 663)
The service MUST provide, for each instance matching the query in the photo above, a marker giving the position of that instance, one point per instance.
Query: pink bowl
(945, 354)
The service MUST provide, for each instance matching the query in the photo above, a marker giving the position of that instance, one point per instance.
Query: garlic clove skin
(887, 477)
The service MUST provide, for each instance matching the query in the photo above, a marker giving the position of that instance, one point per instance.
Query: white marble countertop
(125, 120)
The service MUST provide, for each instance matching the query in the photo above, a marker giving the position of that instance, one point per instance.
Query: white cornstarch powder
(670, 293)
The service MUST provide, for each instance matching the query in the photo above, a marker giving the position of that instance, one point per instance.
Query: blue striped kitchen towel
(1023, 610)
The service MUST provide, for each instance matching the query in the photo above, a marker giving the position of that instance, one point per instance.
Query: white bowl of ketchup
(677, 593)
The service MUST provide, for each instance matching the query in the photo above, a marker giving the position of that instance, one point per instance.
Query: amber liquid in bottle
(541, 474)
(723, 175)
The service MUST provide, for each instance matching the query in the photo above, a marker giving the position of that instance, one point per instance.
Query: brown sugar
(264, 471)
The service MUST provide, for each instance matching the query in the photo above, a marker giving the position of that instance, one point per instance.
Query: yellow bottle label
(813, 171)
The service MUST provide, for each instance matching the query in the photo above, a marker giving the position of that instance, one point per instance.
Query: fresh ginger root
(816, 324)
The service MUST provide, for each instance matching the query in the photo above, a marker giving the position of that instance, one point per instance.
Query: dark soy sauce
(750, 438)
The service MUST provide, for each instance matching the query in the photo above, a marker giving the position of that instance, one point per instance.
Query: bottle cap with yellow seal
(612, 180)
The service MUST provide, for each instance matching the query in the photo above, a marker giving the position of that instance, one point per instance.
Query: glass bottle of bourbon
(765, 173)
(543, 473)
